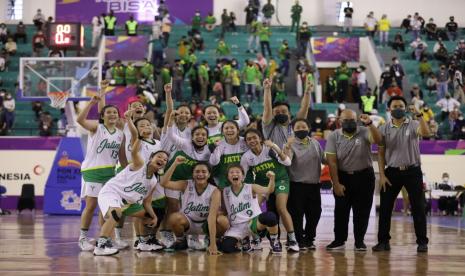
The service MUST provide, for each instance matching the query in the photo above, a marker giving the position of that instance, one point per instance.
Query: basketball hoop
(58, 99)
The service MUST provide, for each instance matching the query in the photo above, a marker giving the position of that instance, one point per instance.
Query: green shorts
(282, 187)
(134, 208)
(253, 228)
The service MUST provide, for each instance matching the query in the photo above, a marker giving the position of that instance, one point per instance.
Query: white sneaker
(167, 238)
(195, 242)
(105, 251)
(293, 246)
(143, 246)
(120, 244)
(256, 244)
(85, 244)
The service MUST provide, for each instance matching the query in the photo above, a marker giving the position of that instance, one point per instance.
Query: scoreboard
(65, 36)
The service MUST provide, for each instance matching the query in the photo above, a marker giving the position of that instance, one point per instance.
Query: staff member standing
(131, 26)
(348, 151)
(399, 166)
(110, 23)
(304, 198)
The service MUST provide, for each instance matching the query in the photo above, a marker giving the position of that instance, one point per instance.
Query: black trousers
(343, 88)
(265, 45)
(358, 196)
(304, 200)
(412, 179)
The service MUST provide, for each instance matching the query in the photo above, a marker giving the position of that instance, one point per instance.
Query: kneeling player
(200, 203)
(134, 185)
(244, 213)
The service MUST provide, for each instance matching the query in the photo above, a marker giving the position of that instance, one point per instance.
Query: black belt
(404, 168)
(357, 172)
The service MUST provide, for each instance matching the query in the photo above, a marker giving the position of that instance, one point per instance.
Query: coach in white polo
(399, 166)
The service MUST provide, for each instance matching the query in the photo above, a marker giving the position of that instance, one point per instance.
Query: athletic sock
(83, 234)
(291, 236)
(101, 242)
(118, 233)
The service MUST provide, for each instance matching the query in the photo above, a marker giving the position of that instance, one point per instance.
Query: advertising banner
(336, 48)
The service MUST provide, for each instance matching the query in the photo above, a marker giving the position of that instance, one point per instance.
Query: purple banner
(120, 96)
(336, 48)
(181, 11)
(122, 48)
(29, 143)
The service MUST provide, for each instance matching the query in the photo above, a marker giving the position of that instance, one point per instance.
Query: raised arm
(283, 157)
(132, 128)
(102, 93)
(179, 142)
(424, 130)
(89, 125)
(374, 132)
(244, 119)
(169, 105)
(137, 160)
(260, 190)
(215, 157)
(267, 102)
(215, 203)
(123, 160)
(166, 179)
(305, 103)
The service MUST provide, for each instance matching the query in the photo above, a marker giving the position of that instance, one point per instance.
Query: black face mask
(398, 113)
(301, 134)
(349, 126)
(281, 118)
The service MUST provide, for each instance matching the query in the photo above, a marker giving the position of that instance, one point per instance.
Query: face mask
(398, 113)
(301, 134)
(332, 119)
(396, 62)
(9, 97)
(445, 179)
(447, 97)
(461, 118)
(281, 118)
(426, 108)
(349, 126)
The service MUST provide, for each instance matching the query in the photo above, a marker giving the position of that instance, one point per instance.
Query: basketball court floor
(43, 245)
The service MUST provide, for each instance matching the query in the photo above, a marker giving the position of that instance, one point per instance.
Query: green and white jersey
(195, 205)
(168, 144)
(224, 156)
(241, 207)
(101, 155)
(131, 186)
(185, 148)
(256, 166)
(214, 133)
(147, 147)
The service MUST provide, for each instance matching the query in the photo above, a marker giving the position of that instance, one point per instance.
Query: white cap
(331, 115)
(342, 106)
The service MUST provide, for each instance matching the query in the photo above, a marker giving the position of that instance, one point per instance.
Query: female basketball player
(103, 145)
(227, 152)
(214, 126)
(261, 158)
(199, 208)
(133, 185)
(244, 213)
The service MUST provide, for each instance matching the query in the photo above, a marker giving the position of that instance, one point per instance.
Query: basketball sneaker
(195, 242)
(167, 238)
(246, 246)
(276, 247)
(105, 248)
(85, 244)
(292, 246)
(256, 243)
(335, 245)
(120, 244)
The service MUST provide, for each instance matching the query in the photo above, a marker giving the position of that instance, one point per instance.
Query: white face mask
(445, 179)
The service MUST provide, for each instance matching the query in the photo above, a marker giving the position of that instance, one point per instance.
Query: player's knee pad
(269, 219)
(229, 245)
(115, 215)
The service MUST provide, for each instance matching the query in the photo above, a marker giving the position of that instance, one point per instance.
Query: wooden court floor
(46, 245)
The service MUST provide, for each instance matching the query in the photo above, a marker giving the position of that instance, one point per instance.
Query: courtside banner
(64, 181)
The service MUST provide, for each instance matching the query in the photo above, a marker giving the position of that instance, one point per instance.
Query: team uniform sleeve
(215, 157)
(180, 143)
(245, 163)
(244, 119)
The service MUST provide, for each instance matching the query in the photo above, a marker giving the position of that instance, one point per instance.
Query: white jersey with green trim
(102, 148)
(194, 205)
(132, 186)
(241, 207)
(168, 145)
(147, 147)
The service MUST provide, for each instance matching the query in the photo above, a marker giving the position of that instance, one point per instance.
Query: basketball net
(58, 99)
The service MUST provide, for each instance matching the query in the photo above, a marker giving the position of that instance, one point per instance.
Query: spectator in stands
(210, 22)
(38, 43)
(118, 73)
(427, 112)
(447, 205)
(416, 103)
(264, 35)
(457, 82)
(398, 44)
(130, 74)
(3, 33)
(452, 29)
(416, 92)
(303, 37)
(443, 81)
(55, 52)
(232, 22)
(368, 102)
(431, 30)
(397, 70)
(225, 20)
(62, 123)
(384, 27)
(251, 76)
(424, 68)
(251, 12)
(178, 80)
(38, 19)
(9, 104)
(97, 28)
(223, 50)
(253, 30)
(370, 24)
(296, 12)
(37, 108)
(348, 13)
(394, 90)
(11, 46)
(162, 9)
(415, 26)
(459, 128)
(332, 122)
(432, 83)
(156, 27)
(45, 124)
(131, 26)
(385, 82)
(419, 49)
(317, 127)
(21, 32)
(47, 23)
(268, 12)
(284, 55)
(3, 126)
(196, 21)
(447, 105)
(434, 127)
(362, 81)
(166, 28)
(110, 24)
(441, 54)
(406, 23)
(157, 52)
(331, 89)
(204, 78)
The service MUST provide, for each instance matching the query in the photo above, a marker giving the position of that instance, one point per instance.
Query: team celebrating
(202, 188)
